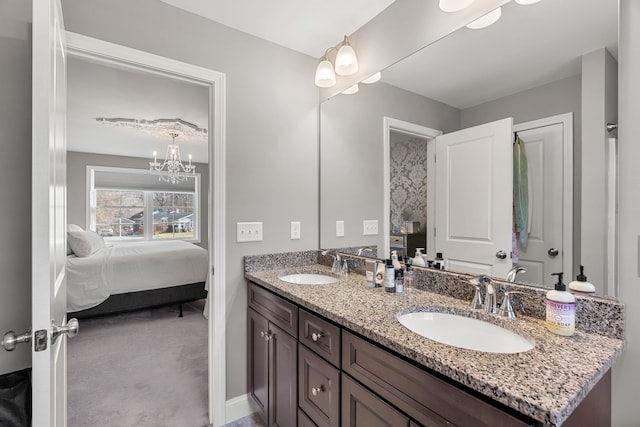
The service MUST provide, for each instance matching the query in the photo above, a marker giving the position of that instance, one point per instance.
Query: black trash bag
(15, 399)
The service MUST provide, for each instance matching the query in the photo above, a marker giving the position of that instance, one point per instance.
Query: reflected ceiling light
(454, 5)
(526, 2)
(172, 169)
(325, 76)
(346, 59)
(486, 20)
(350, 91)
(375, 78)
(346, 64)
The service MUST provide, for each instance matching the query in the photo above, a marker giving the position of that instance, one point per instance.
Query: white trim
(389, 124)
(566, 120)
(238, 407)
(94, 49)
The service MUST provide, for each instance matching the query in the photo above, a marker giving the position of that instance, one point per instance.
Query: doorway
(107, 53)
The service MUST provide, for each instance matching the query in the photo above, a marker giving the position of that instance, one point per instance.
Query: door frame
(105, 52)
(390, 124)
(566, 120)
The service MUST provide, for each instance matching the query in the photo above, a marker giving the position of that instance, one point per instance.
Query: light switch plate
(249, 232)
(370, 227)
(295, 230)
(339, 228)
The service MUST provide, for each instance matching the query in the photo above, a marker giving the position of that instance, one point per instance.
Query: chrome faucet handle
(490, 298)
(506, 308)
(476, 302)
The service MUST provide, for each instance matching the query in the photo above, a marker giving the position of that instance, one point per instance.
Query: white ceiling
(307, 26)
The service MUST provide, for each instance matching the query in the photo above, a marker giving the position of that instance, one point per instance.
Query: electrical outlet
(339, 228)
(370, 227)
(249, 232)
(295, 230)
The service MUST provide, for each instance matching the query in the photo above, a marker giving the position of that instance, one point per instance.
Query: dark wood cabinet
(362, 408)
(320, 336)
(318, 388)
(272, 358)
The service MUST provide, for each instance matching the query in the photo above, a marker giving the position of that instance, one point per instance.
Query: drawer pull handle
(317, 390)
(266, 335)
(316, 336)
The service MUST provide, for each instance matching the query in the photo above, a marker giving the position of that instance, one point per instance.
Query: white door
(543, 254)
(474, 198)
(48, 287)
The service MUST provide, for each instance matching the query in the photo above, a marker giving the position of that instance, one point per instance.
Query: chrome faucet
(490, 298)
(361, 250)
(337, 262)
(476, 282)
(511, 275)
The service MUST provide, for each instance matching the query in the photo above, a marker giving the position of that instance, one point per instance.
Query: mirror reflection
(371, 169)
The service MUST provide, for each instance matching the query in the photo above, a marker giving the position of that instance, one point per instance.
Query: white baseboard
(238, 407)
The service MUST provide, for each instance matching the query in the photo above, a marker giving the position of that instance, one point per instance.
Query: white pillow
(84, 243)
(71, 227)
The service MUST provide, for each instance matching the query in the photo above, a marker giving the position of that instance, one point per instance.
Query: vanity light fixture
(350, 91)
(486, 20)
(373, 79)
(346, 64)
(454, 5)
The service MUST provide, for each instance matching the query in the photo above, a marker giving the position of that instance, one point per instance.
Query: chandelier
(172, 169)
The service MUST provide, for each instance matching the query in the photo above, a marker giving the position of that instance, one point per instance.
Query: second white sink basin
(308, 279)
(464, 332)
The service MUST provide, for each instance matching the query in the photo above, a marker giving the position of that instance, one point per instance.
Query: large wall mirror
(389, 160)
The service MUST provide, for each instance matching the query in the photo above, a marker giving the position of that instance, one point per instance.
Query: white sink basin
(308, 279)
(464, 332)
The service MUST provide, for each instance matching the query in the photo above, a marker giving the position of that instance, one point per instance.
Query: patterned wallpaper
(408, 181)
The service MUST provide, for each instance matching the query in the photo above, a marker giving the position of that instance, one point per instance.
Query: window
(124, 204)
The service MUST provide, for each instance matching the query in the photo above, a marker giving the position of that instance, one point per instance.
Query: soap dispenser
(561, 309)
(395, 261)
(418, 260)
(580, 286)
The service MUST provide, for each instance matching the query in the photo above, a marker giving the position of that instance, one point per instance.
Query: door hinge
(213, 271)
(40, 340)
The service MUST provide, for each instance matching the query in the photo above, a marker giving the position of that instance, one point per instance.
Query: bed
(125, 276)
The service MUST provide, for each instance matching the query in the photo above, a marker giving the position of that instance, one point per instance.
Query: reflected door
(543, 254)
(474, 195)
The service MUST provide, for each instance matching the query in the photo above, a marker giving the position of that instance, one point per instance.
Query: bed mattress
(132, 267)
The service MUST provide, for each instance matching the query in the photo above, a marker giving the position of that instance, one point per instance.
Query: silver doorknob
(71, 329)
(501, 254)
(317, 390)
(316, 336)
(553, 252)
(10, 339)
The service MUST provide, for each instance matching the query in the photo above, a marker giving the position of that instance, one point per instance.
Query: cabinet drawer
(276, 309)
(424, 397)
(361, 408)
(396, 240)
(318, 388)
(320, 336)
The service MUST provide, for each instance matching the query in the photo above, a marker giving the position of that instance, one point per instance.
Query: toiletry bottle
(418, 260)
(394, 260)
(438, 262)
(580, 286)
(408, 277)
(370, 271)
(399, 280)
(380, 271)
(389, 277)
(561, 309)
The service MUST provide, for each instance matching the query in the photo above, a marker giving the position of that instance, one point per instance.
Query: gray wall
(15, 178)
(77, 186)
(626, 375)
(352, 187)
(272, 128)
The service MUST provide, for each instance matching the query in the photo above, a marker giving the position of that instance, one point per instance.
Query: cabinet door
(361, 408)
(283, 380)
(319, 388)
(258, 362)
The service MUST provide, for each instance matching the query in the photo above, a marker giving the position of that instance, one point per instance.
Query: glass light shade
(526, 2)
(486, 20)
(375, 78)
(325, 76)
(346, 61)
(454, 5)
(350, 91)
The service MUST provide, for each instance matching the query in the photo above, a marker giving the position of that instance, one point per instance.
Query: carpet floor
(146, 368)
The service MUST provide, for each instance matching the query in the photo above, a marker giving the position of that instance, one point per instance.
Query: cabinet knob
(317, 390)
(316, 336)
(266, 335)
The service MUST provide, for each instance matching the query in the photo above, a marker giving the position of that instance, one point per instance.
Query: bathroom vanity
(335, 354)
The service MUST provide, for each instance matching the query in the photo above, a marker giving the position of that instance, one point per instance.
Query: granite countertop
(546, 383)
